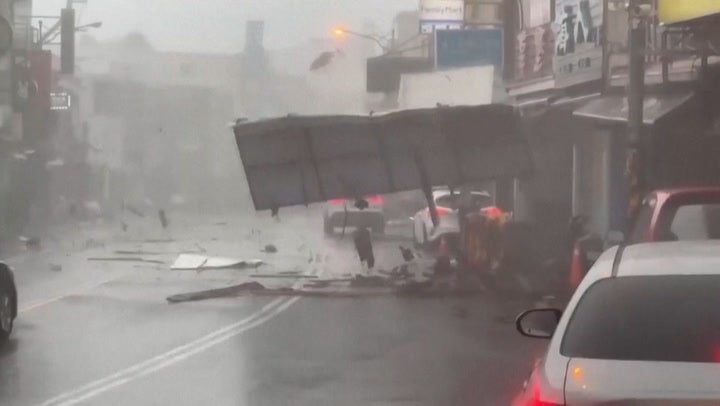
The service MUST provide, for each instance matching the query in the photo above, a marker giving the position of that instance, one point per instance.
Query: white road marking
(171, 357)
(42, 302)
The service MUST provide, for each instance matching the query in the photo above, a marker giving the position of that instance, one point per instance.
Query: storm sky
(217, 26)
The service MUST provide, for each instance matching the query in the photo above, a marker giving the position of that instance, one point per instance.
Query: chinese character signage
(534, 53)
(578, 48)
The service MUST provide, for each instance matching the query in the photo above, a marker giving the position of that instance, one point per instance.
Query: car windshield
(647, 318)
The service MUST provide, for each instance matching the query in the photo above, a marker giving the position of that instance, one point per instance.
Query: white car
(344, 213)
(424, 232)
(643, 328)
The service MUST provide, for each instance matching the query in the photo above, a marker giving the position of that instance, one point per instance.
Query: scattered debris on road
(134, 210)
(125, 259)
(55, 267)
(361, 281)
(159, 240)
(32, 243)
(216, 293)
(282, 275)
(163, 219)
(194, 262)
(136, 252)
(270, 249)
(407, 254)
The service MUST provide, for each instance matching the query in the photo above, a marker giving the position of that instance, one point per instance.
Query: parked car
(678, 214)
(424, 232)
(346, 213)
(643, 327)
(8, 301)
(665, 215)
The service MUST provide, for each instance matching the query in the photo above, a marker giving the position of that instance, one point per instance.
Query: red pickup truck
(665, 215)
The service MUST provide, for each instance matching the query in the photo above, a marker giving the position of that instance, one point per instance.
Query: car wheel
(6, 312)
(328, 226)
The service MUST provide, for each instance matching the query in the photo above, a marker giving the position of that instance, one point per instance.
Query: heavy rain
(406, 202)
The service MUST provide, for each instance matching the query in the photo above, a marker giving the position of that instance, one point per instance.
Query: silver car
(345, 213)
(424, 232)
(643, 328)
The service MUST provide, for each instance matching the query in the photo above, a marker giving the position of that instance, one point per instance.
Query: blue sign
(463, 48)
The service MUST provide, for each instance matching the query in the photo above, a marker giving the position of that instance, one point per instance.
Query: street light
(96, 24)
(50, 36)
(341, 33)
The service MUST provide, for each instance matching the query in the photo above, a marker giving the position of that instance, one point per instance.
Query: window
(478, 201)
(696, 222)
(536, 13)
(647, 318)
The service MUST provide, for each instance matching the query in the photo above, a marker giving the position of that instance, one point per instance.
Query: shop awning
(615, 107)
(300, 160)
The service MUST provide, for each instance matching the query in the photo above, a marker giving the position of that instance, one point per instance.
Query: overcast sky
(218, 25)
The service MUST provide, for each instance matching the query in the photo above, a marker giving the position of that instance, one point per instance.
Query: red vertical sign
(41, 74)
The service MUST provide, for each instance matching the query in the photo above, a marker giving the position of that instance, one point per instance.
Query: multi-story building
(569, 76)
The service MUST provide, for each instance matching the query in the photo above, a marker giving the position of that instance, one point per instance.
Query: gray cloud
(218, 25)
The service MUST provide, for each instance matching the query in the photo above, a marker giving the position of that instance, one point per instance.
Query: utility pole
(636, 165)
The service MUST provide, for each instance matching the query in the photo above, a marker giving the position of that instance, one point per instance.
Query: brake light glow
(492, 212)
(441, 211)
(337, 202)
(375, 200)
(533, 397)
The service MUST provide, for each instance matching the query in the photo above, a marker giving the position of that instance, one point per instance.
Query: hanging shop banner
(578, 48)
(441, 15)
(678, 11)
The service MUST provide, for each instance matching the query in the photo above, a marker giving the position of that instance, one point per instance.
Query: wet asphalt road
(101, 332)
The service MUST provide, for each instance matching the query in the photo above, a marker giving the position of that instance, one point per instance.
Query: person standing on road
(364, 248)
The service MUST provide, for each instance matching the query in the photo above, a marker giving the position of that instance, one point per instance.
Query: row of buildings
(564, 64)
(133, 125)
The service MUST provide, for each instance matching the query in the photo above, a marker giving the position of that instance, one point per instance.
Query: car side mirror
(538, 323)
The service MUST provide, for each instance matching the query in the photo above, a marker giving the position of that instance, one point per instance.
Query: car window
(647, 318)
(451, 201)
(696, 222)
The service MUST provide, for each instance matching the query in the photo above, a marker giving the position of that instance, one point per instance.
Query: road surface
(102, 333)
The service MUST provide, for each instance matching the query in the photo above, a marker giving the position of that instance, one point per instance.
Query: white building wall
(456, 87)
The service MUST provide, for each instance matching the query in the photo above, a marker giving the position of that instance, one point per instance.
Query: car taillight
(537, 399)
(535, 395)
(375, 200)
(535, 402)
(337, 202)
(492, 212)
(441, 211)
